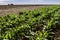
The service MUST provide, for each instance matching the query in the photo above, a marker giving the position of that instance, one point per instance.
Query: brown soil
(15, 9)
(57, 32)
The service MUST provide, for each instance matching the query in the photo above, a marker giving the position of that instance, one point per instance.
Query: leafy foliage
(35, 24)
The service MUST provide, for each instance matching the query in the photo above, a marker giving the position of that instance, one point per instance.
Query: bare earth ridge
(9, 9)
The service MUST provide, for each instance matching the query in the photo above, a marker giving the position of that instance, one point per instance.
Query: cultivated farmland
(31, 23)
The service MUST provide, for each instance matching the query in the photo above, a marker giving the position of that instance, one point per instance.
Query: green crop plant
(34, 24)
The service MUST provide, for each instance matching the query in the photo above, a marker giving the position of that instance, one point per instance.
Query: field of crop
(37, 24)
(15, 9)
